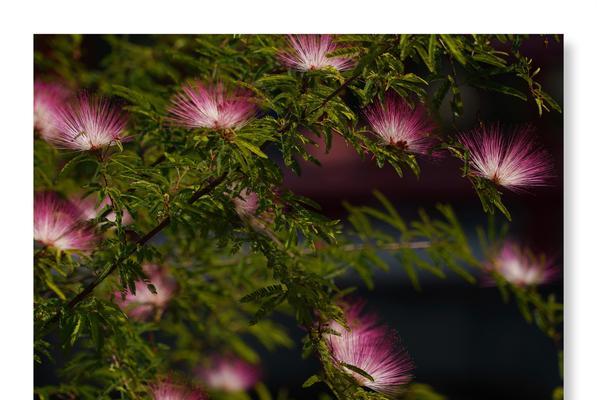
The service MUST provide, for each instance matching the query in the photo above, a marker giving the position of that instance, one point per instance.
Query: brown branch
(138, 244)
(158, 160)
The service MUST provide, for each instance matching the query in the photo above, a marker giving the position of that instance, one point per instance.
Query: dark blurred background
(464, 340)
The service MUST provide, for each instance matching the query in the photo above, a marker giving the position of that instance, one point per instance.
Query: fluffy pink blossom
(354, 312)
(201, 106)
(167, 390)
(400, 125)
(48, 98)
(373, 348)
(513, 162)
(90, 209)
(58, 223)
(89, 123)
(521, 267)
(230, 374)
(246, 203)
(310, 52)
(143, 304)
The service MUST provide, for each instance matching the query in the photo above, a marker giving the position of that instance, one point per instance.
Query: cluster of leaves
(231, 276)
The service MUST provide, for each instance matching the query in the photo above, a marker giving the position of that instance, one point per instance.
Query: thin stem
(159, 160)
(162, 158)
(334, 94)
(102, 160)
(422, 244)
(397, 246)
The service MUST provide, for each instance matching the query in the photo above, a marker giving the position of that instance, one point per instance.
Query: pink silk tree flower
(374, 349)
(48, 98)
(399, 125)
(521, 267)
(59, 224)
(90, 123)
(144, 304)
(246, 203)
(354, 312)
(514, 163)
(90, 209)
(310, 52)
(202, 106)
(167, 390)
(229, 374)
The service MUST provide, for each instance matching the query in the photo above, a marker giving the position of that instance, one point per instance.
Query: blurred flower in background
(229, 374)
(521, 267)
(144, 303)
(48, 98)
(90, 209)
(59, 223)
(167, 390)
(246, 203)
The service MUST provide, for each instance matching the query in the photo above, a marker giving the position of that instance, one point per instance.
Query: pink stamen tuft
(230, 374)
(58, 223)
(400, 125)
(90, 123)
(144, 304)
(90, 209)
(48, 98)
(521, 267)
(310, 52)
(246, 203)
(215, 107)
(513, 162)
(168, 390)
(372, 348)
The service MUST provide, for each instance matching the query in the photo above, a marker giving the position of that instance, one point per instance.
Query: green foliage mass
(235, 275)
